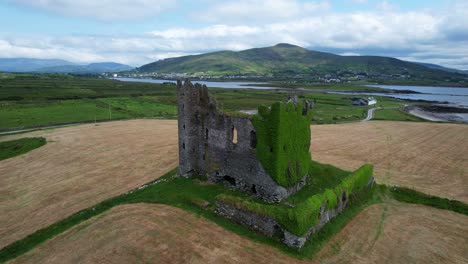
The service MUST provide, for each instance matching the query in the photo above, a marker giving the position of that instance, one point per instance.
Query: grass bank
(12, 148)
(198, 197)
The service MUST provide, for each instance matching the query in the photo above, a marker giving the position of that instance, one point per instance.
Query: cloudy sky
(136, 32)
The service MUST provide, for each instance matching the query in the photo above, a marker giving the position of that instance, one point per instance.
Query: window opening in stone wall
(254, 189)
(230, 180)
(183, 145)
(253, 139)
(206, 133)
(234, 135)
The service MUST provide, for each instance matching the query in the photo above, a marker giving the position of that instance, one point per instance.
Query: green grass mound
(12, 148)
(301, 211)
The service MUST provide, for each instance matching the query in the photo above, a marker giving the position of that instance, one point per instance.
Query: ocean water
(451, 95)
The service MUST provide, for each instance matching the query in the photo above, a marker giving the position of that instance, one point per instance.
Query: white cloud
(9, 50)
(419, 35)
(349, 31)
(210, 31)
(100, 9)
(261, 10)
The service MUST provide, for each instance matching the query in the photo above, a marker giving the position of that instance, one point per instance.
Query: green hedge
(411, 196)
(304, 215)
(283, 140)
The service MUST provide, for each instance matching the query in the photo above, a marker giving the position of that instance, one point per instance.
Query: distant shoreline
(441, 115)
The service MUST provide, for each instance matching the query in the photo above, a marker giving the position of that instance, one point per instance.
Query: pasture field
(65, 87)
(389, 232)
(40, 100)
(23, 115)
(395, 114)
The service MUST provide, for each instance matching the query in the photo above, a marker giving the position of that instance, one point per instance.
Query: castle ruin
(224, 147)
(265, 155)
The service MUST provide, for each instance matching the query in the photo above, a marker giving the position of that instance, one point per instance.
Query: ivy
(283, 140)
(305, 214)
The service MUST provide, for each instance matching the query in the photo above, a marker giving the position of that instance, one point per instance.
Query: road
(370, 114)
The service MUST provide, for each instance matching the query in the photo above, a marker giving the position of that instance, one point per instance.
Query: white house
(365, 101)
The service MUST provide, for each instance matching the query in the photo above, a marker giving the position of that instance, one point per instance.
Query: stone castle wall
(270, 227)
(207, 147)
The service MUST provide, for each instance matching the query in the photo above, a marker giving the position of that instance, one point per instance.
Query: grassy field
(19, 115)
(65, 87)
(40, 100)
(143, 106)
(13, 148)
(395, 114)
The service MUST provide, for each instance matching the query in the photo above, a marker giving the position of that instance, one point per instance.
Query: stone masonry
(222, 147)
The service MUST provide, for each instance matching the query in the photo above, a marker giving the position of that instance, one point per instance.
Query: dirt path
(79, 167)
(370, 114)
(151, 233)
(428, 157)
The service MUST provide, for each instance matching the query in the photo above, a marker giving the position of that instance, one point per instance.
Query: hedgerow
(283, 140)
(304, 215)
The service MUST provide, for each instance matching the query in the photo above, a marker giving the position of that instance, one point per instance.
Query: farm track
(152, 233)
(370, 114)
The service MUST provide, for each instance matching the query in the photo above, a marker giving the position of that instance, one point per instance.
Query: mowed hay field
(83, 165)
(152, 233)
(400, 233)
(428, 157)
(79, 167)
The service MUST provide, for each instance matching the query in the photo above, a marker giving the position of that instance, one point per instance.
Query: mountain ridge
(58, 66)
(286, 59)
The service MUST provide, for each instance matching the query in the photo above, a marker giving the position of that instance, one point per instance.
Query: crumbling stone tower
(271, 163)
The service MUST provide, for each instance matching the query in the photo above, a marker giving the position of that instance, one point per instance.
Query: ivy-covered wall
(283, 140)
(305, 214)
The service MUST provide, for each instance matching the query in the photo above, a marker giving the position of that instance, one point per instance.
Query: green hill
(93, 68)
(289, 60)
